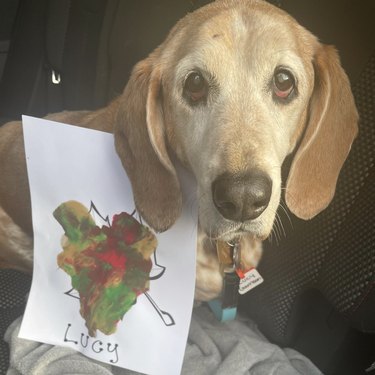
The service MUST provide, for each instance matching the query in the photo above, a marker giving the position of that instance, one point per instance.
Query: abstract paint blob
(109, 266)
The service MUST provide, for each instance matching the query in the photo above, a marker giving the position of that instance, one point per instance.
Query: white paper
(71, 163)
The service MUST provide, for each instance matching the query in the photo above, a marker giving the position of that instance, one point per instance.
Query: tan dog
(234, 89)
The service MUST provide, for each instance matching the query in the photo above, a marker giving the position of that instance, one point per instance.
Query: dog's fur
(237, 45)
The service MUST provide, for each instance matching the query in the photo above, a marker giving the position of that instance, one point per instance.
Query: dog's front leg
(16, 247)
(209, 280)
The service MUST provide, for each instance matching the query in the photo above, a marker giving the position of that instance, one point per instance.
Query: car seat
(318, 295)
(320, 292)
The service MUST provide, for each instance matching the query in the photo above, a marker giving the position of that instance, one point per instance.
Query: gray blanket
(235, 347)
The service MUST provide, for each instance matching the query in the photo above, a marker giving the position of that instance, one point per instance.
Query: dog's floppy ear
(330, 131)
(140, 143)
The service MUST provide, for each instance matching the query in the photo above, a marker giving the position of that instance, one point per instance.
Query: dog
(236, 87)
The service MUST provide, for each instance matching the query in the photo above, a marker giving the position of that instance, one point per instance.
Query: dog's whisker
(277, 232)
(277, 228)
(280, 223)
(286, 213)
(271, 237)
(274, 236)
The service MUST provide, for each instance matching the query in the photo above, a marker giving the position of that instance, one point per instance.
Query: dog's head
(236, 87)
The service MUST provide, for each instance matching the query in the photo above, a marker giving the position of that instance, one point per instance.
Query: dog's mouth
(216, 227)
(233, 236)
(235, 232)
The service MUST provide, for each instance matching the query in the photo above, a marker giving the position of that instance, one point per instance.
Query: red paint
(112, 257)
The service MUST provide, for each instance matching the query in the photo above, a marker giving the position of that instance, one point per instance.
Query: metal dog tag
(224, 253)
(237, 256)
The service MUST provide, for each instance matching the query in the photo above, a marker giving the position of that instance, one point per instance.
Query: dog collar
(229, 255)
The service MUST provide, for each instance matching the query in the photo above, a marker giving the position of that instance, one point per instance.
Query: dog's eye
(283, 83)
(195, 88)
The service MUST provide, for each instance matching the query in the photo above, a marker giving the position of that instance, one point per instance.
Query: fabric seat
(318, 295)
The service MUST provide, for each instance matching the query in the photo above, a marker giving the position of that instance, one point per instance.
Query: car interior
(319, 291)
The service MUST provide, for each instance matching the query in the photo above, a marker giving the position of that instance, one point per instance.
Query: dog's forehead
(249, 35)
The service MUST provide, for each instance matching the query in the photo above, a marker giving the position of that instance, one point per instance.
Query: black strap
(101, 88)
(230, 290)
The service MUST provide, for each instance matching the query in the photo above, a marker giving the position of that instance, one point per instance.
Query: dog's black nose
(241, 197)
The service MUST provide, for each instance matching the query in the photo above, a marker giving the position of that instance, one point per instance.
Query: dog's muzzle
(242, 197)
